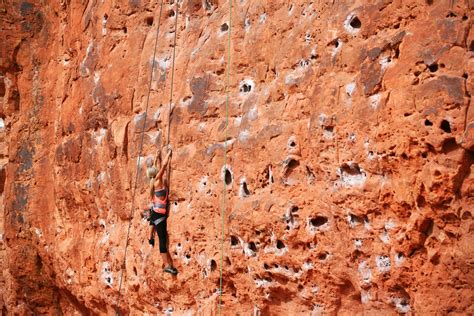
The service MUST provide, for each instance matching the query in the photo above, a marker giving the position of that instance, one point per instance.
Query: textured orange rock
(350, 150)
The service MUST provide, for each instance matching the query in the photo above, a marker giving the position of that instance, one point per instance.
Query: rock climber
(158, 210)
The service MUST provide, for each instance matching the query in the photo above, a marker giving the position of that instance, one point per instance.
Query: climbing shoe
(171, 270)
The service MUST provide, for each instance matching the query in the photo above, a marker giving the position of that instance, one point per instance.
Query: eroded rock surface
(349, 170)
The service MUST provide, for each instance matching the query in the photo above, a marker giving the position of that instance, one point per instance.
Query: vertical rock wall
(350, 184)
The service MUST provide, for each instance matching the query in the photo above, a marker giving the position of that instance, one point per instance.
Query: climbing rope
(172, 71)
(223, 209)
(168, 172)
(139, 156)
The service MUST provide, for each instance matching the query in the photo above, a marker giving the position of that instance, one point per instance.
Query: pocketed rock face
(349, 170)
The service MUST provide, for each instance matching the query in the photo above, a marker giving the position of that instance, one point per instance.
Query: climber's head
(151, 172)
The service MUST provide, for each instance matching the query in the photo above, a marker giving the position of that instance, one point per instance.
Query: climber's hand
(151, 241)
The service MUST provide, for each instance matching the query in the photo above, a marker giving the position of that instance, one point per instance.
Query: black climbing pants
(159, 222)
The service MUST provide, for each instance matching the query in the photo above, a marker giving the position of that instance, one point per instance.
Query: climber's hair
(151, 172)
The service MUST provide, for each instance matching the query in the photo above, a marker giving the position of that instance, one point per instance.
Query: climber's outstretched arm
(152, 188)
(159, 177)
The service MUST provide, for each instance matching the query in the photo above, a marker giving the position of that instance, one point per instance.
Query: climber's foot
(171, 270)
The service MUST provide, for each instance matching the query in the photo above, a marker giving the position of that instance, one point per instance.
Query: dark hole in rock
(464, 17)
(38, 263)
(135, 270)
(294, 209)
(451, 15)
(404, 156)
(188, 256)
(280, 244)
(293, 164)
(2, 87)
(266, 266)
(149, 20)
(287, 227)
(171, 13)
(433, 67)
(319, 221)
(213, 265)
(224, 27)
(336, 43)
(106, 16)
(252, 246)
(435, 259)
(397, 52)
(429, 2)
(246, 88)
(220, 71)
(399, 256)
(108, 279)
(329, 129)
(407, 114)
(445, 126)
(245, 189)
(356, 23)
(466, 215)
(354, 219)
(465, 75)
(300, 287)
(257, 232)
(234, 241)
(396, 26)
(471, 46)
(442, 65)
(449, 145)
(304, 63)
(124, 29)
(366, 220)
(428, 123)
(424, 154)
(227, 261)
(292, 144)
(322, 256)
(426, 227)
(228, 177)
(420, 201)
(286, 268)
(352, 169)
(450, 218)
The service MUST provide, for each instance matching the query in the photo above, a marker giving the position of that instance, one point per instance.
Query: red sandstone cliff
(350, 150)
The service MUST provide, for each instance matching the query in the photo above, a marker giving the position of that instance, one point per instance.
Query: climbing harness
(223, 210)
